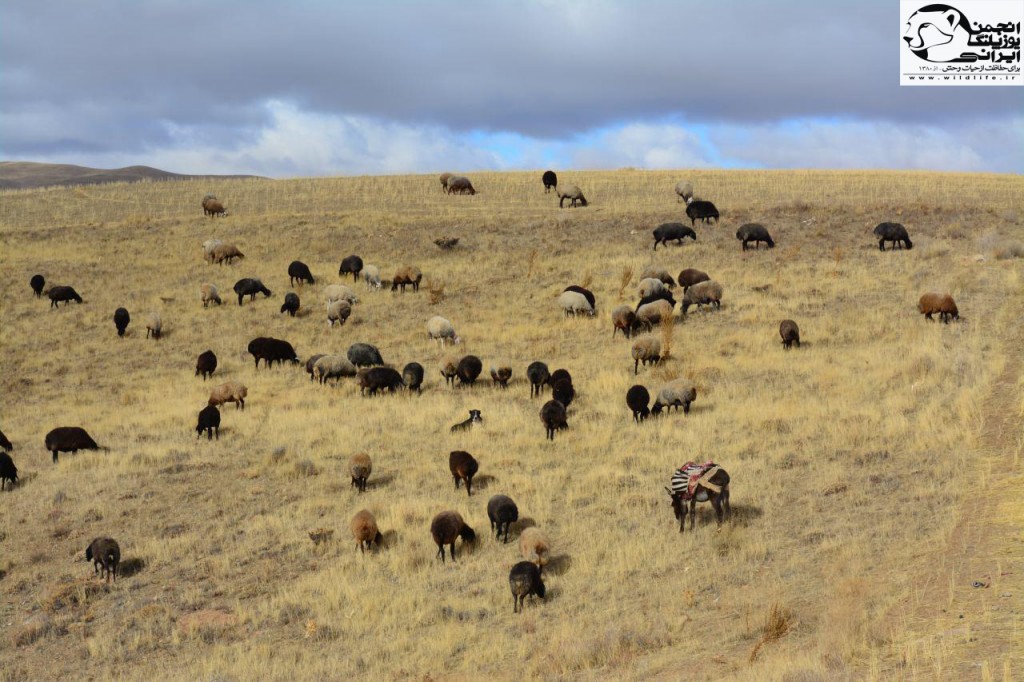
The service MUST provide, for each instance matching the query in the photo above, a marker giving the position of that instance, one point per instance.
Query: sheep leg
(55, 456)
(636, 367)
(469, 485)
(453, 550)
(456, 477)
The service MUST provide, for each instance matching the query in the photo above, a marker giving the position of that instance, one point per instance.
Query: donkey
(714, 488)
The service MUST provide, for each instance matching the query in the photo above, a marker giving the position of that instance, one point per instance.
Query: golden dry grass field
(859, 462)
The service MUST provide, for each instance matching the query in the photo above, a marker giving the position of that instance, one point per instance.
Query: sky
(319, 87)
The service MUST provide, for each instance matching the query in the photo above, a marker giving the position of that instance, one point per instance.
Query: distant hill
(28, 175)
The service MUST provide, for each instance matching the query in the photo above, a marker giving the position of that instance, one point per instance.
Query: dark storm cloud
(122, 75)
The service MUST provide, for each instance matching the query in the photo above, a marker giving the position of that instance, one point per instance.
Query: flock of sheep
(366, 366)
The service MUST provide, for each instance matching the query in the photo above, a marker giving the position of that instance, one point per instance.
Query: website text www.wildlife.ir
(1011, 78)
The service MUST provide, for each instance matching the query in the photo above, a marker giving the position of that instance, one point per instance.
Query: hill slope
(31, 175)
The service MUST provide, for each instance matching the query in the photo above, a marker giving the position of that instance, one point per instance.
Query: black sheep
(8, 472)
(412, 375)
(351, 264)
(552, 415)
(37, 283)
(364, 355)
(272, 350)
(446, 528)
(550, 181)
(563, 391)
(638, 398)
(560, 375)
(299, 271)
(704, 211)
(66, 294)
(502, 512)
(663, 295)
(892, 232)
(205, 364)
(121, 320)
(250, 286)
(106, 554)
(379, 379)
(667, 232)
(463, 467)
(754, 232)
(691, 276)
(68, 439)
(291, 303)
(790, 333)
(524, 579)
(469, 369)
(587, 294)
(209, 421)
(538, 375)
(4, 443)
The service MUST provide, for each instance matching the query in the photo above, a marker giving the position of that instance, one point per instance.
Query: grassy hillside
(32, 175)
(854, 459)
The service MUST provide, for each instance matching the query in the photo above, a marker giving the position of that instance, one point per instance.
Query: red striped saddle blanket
(686, 477)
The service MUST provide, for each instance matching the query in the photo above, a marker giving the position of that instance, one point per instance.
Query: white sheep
(229, 392)
(684, 190)
(371, 275)
(535, 546)
(209, 294)
(340, 292)
(333, 367)
(338, 311)
(154, 325)
(440, 329)
(575, 303)
(651, 286)
(208, 246)
(646, 350)
(655, 312)
(677, 393)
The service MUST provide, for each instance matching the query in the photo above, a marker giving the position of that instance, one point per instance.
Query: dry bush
(668, 326)
(1008, 251)
(625, 278)
(435, 291)
(776, 625)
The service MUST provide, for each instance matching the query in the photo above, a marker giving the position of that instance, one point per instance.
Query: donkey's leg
(693, 511)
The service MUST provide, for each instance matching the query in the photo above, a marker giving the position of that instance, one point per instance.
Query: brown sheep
(463, 467)
(225, 252)
(229, 392)
(365, 531)
(449, 370)
(500, 374)
(408, 275)
(105, 554)
(360, 467)
(624, 319)
(691, 276)
(535, 546)
(655, 312)
(790, 334)
(942, 304)
(444, 181)
(446, 528)
(645, 350)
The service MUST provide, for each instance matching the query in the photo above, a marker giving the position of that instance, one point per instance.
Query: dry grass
(850, 456)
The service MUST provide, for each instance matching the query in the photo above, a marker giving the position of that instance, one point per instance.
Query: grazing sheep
(463, 467)
(667, 232)
(371, 277)
(447, 243)
(205, 364)
(445, 177)
(474, 418)
(690, 276)
(661, 274)
(684, 190)
(677, 393)
(209, 421)
(574, 303)
(550, 180)
(208, 246)
(645, 350)
(524, 579)
(655, 312)
(339, 292)
(587, 293)
(663, 295)
(225, 252)
(502, 512)
(229, 392)
(534, 546)
(311, 362)
(291, 303)
(365, 531)
(380, 378)
(446, 528)
(553, 416)
(8, 472)
(500, 374)
(560, 375)
(638, 398)
(449, 370)
(469, 369)
(208, 292)
(407, 275)
(360, 466)
(538, 374)
(790, 334)
(68, 439)
(250, 286)
(154, 325)
(4, 443)
(563, 391)
(892, 232)
(364, 355)
(572, 193)
(440, 329)
(121, 320)
(299, 272)
(105, 554)
(460, 185)
(332, 367)
(704, 211)
(701, 294)
(412, 375)
(351, 264)
(272, 350)
(212, 206)
(338, 311)
(942, 304)
(37, 283)
(754, 232)
(63, 293)
(651, 287)
(624, 319)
